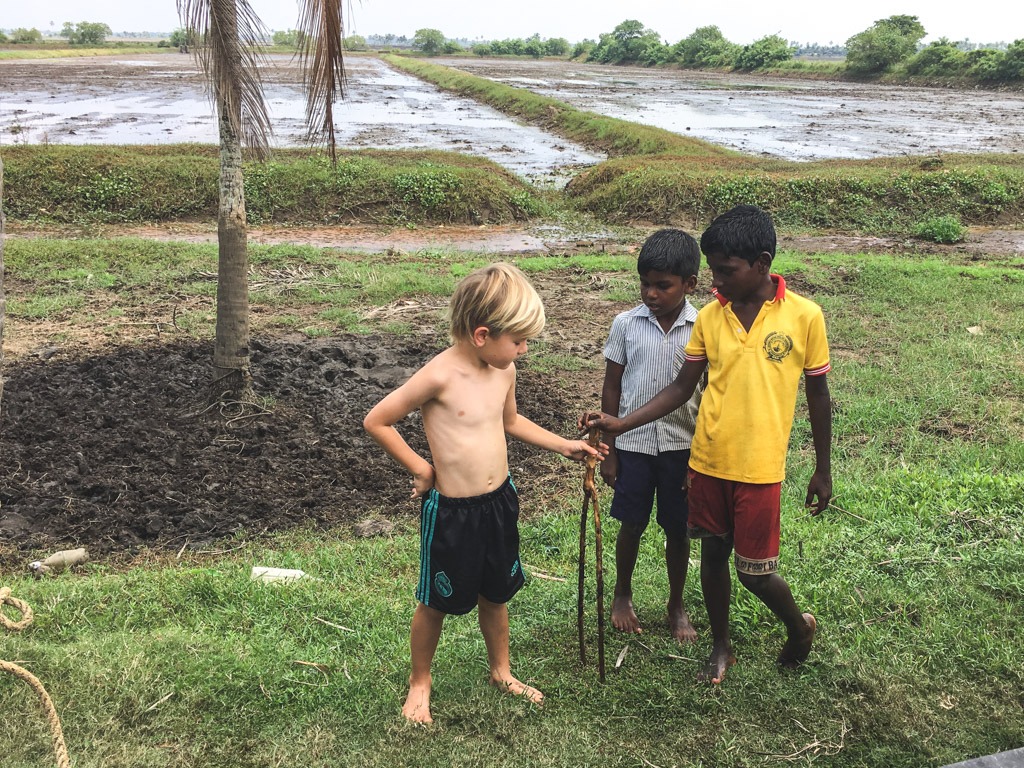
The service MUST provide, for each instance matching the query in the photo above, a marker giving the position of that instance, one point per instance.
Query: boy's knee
(756, 584)
(715, 549)
(489, 605)
(632, 531)
(676, 537)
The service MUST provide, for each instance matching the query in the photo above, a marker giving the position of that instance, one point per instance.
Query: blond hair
(499, 298)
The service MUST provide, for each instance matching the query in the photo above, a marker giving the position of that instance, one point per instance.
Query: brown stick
(582, 577)
(599, 558)
(590, 497)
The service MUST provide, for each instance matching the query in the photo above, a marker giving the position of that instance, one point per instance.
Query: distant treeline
(890, 47)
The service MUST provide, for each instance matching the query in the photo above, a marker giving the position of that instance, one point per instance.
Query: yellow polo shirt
(746, 414)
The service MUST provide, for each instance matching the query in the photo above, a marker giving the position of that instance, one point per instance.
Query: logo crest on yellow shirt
(777, 346)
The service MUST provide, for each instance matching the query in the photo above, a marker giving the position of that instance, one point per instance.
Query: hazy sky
(741, 21)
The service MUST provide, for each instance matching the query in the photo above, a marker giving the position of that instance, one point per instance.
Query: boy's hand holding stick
(590, 497)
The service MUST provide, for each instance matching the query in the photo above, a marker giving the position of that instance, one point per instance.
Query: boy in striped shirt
(643, 355)
(755, 341)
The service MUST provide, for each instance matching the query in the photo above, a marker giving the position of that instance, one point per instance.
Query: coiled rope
(59, 748)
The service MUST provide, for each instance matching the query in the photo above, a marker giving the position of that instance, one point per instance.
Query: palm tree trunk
(229, 37)
(3, 301)
(231, 348)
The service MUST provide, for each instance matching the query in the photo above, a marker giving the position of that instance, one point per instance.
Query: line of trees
(533, 46)
(894, 45)
(22, 36)
(891, 45)
(295, 38)
(945, 59)
(82, 33)
(629, 43)
(85, 32)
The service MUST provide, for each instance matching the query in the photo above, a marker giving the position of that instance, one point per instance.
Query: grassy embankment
(65, 51)
(915, 576)
(659, 176)
(102, 184)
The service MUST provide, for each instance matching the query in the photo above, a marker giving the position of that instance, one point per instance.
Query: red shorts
(748, 512)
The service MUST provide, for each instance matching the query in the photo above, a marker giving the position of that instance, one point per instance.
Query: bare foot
(624, 617)
(721, 659)
(517, 688)
(795, 651)
(417, 704)
(679, 623)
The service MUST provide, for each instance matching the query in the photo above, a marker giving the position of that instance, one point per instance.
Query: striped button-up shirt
(652, 358)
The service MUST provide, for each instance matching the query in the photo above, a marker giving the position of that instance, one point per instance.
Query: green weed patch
(880, 196)
(85, 184)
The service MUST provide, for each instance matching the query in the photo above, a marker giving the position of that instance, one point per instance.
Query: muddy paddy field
(790, 119)
(160, 99)
(109, 445)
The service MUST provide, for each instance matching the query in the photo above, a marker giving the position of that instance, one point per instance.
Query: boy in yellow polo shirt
(755, 342)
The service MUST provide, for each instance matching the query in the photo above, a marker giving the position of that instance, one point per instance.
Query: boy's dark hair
(745, 231)
(669, 250)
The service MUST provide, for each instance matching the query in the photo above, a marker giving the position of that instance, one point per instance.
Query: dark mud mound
(115, 452)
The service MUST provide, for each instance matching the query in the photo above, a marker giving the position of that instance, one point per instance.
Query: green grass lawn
(915, 576)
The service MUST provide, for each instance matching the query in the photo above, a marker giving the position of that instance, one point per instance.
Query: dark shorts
(747, 513)
(641, 477)
(469, 548)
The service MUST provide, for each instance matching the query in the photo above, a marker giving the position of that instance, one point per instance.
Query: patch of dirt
(109, 452)
(979, 243)
(110, 449)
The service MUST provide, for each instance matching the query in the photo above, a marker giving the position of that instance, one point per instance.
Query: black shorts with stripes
(469, 548)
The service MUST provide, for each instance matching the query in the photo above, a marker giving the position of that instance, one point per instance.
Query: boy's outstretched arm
(671, 397)
(380, 424)
(518, 426)
(819, 404)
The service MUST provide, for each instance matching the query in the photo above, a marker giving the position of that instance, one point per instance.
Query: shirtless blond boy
(469, 537)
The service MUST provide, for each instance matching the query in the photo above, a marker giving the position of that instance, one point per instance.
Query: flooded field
(161, 99)
(790, 119)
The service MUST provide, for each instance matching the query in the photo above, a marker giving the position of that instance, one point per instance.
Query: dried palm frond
(227, 37)
(321, 31)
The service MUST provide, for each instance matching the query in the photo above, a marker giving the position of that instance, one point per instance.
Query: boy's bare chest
(476, 400)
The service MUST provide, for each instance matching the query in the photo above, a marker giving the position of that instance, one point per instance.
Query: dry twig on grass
(816, 748)
(332, 624)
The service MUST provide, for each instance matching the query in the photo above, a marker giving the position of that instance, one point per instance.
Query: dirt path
(517, 239)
